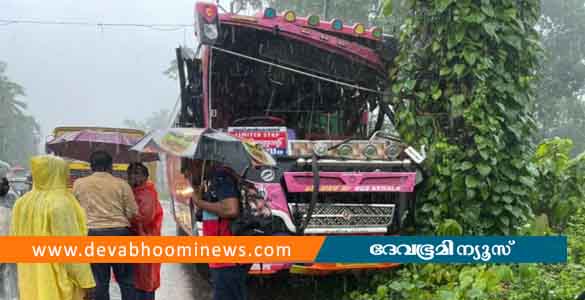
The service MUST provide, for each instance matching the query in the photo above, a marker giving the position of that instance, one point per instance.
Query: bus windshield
(262, 79)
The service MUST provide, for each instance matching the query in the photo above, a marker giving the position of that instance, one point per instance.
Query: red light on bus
(209, 12)
(206, 10)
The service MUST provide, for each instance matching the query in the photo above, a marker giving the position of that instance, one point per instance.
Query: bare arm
(227, 208)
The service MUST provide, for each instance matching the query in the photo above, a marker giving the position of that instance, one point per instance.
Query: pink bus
(312, 92)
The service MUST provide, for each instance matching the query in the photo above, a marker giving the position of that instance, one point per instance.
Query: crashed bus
(311, 92)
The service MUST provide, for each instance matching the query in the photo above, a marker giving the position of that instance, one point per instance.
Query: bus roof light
(337, 24)
(269, 13)
(359, 29)
(314, 20)
(290, 16)
(377, 33)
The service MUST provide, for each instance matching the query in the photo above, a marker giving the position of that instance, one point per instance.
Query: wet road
(181, 282)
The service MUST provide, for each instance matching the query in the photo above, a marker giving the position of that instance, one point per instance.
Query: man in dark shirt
(220, 204)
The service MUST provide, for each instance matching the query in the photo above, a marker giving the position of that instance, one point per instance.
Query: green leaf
(487, 8)
(445, 71)
(484, 170)
(497, 210)
(484, 154)
(507, 199)
(436, 46)
(437, 94)
(460, 35)
(449, 227)
(471, 182)
(459, 68)
(518, 191)
(515, 211)
(409, 84)
(447, 295)
(457, 100)
(470, 57)
(396, 88)
(427, 207)
(490, 29)
(526, 181)
(513, 40)
(476, 18)
(470, 193)
(466, 166)
(443, 5)
(505, 220)
(466, 281)
(504, 273)
(382, 291)
(388, 8)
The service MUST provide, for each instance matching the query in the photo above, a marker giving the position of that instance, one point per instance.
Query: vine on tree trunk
(463, 84)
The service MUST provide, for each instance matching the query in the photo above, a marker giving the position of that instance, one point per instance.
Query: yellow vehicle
(79, 169)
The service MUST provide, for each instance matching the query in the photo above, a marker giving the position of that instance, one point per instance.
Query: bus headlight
(345, 150)
(370, 151)
(392, 151)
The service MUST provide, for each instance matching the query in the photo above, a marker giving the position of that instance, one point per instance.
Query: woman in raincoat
(51, 210)
(146, 276)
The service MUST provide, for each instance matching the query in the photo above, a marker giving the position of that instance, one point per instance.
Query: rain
(337, 95)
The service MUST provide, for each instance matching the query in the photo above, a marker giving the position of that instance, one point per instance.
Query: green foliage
(18, 131)
(560, 182)
(463, 83)
(393, 14)
(442, 282)
(558, 282)
(510, 282)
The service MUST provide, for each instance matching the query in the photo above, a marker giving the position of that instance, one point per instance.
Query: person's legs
(125, 277)
(240, 278)
(101, 275)
(144, 295)
(229, 283)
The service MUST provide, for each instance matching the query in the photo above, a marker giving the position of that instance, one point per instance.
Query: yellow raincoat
(50, 209)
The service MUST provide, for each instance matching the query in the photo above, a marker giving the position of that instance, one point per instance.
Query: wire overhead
(155, 26)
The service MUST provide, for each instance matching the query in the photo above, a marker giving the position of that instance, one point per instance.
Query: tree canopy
(19, 132)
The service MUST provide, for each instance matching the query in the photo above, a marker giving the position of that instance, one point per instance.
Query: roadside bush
(490, 282)
(559, 185)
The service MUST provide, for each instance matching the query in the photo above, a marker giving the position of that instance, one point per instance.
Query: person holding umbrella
(221, 204)
(146, 276)
(231, 158)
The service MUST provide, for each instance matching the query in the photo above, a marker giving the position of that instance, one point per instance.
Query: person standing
(7, 195)
(110, 207)
(51, 210)
(147, 276)
(8, 283)
(220, 204)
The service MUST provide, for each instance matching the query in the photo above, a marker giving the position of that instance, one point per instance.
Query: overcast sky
(76, 75)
